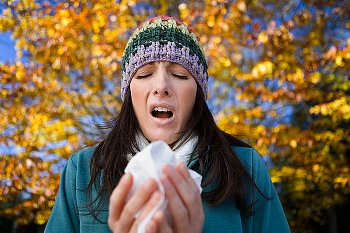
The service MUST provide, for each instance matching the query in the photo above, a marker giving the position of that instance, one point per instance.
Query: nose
(162, 85)
(165, 93)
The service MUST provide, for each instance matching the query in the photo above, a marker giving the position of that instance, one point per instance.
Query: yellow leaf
(241, 6)
(65, 22)
(339, 61)
(315, 77)
(315, 168)
(293, 143)
(263, 38)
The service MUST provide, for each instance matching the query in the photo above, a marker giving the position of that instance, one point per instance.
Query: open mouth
(163, 113)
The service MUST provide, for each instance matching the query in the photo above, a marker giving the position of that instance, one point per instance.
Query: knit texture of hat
(164, 38)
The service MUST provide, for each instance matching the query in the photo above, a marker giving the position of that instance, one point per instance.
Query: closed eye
(181, 76)
(143, 76)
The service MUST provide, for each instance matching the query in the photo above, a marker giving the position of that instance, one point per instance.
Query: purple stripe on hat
(166, 52)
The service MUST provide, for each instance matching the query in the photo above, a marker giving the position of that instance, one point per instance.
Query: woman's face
(163, 95)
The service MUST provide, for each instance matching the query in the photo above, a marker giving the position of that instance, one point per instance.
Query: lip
(162, 121)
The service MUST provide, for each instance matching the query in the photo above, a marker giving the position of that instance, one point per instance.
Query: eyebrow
(171, 65)
(179, 67)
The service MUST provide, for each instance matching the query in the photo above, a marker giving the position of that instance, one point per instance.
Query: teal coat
(70, 213)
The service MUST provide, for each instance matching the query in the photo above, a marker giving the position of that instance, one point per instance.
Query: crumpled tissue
(147, 164)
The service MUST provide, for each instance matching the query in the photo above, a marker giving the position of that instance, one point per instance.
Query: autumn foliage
(279, 79)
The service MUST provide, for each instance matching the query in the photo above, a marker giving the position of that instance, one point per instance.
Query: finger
(136, 203)
(159, 224)
(152, 227)
(178, 209)
(188, 192)
(133, 227)
(152, 203)
(196, 214)
(117, 199)
(164, 225)
(183, 170)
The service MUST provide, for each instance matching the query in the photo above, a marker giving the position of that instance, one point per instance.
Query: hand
(121, 217)
(184, 203)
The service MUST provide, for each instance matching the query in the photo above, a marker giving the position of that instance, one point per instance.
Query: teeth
(160, 109)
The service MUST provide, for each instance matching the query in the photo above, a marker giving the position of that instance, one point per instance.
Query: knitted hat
(164, 38)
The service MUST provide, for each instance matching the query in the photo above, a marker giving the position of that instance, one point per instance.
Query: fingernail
(165, 170)
(125, 178)
(170, 170)
(149, 184)
(182, 165)
(158, 215)
(163, 177)
(165, 181)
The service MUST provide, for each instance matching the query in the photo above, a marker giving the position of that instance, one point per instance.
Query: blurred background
(279, 80)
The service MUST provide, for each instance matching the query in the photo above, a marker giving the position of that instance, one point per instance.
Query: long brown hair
(218, 164)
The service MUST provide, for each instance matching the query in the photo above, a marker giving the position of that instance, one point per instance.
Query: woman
(164, 89)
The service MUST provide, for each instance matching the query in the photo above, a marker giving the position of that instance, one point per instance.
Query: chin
(169, 139)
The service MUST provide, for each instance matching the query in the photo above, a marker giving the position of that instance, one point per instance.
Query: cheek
(137, 98)
(188, 98)
(133, 89)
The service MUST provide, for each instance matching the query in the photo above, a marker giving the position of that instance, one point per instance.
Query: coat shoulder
(82, 156)
(255, 166)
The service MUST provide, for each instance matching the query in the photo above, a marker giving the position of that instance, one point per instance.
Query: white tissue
(147, 164)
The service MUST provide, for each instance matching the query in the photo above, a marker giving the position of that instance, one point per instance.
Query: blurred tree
(285, 68)
(64, 79)
(280, 80)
